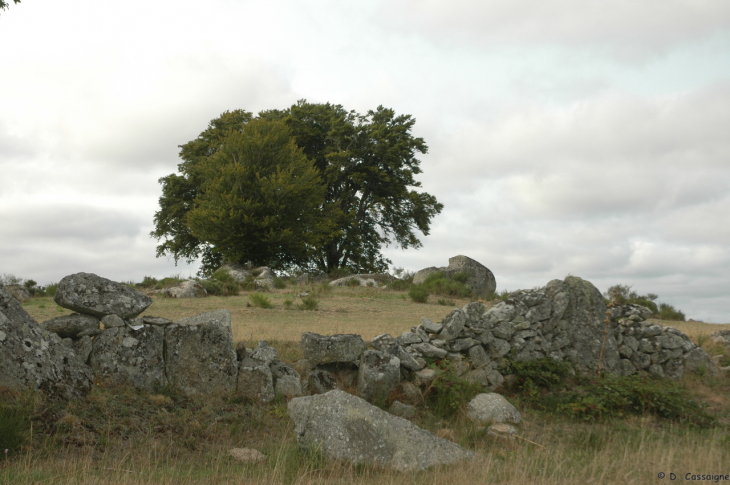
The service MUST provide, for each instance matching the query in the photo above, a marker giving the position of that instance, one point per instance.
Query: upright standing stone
(201, 356)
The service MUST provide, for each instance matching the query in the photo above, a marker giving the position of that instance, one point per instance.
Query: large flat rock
(345, 427)
(93, 295)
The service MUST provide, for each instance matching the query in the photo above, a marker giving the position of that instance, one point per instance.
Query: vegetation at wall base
(448, 394)
(553, 387)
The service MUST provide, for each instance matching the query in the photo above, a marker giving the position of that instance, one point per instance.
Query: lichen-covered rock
(480, 279)
(19, 292)
(320, 349)
(70, 326)
(287, 380)
(186, 289)
(131, 357)
(200, 354)
(83, 348)
(263, 352)
(345, 427)
(255, 382)
(93, 295)
(33, 358)
(320, 381)
(378, 375)
(492, 408)
(389, 345)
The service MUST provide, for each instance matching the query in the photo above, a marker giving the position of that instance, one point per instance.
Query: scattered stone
(263, 352)
(319, 349)
(430, 326)
(321, 381)
(287, 380)
(70, 326)
(389, 345)
(93, 295)
(492, 408)
(502, 430)
(247, 455)
(156, 321)
(345, 427)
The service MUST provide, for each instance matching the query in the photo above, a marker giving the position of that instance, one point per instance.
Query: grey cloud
(626, 28)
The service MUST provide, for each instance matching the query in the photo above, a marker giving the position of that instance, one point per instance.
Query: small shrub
(221, 283)
(213, 287)
(418, 294)
(352, 282)
(668, 312)
(148, 282)
(280, 283)
(260, 300)
(310, 303)
(338, 273)
(288, 304)
(445, 302)
(448, 393)
(440, 284)
(399, 285)
(50, 290)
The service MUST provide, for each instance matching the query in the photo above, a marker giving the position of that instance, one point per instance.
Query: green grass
(259, 300)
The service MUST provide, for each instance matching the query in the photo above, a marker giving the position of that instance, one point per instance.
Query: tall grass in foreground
(607, 454)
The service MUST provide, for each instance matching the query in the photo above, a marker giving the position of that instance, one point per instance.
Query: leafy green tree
(366, 166)
(4, 4)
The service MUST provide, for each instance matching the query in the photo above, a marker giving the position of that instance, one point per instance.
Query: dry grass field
(120, 436)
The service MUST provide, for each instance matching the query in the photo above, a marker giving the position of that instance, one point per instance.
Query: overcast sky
(577, 137)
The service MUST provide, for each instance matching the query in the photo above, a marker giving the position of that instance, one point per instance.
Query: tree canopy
(311, 186)
(4, 4)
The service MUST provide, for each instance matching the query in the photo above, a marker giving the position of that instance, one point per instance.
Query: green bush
(213, 287)
(280, 283)
(338, 273)
(221, 283)
(309, 302)
(418, 294)
(399, 285)
(288, 304)
(668, 312)
(260, 300)
(550, 386)
(352, 282)
(439, 284)
(448, 393)
(445, 302)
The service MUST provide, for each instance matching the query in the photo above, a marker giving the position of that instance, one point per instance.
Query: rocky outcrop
(186, 289)
(480, 279)
(378, 375)
(200, 354)
(33, 358)
(345, 427)
(93, 295)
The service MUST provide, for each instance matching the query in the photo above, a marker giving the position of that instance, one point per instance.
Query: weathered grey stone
(131, 357)
(478, 356)
(345, 427)
(405, 411)
(319, 349)
(320, 381)
(94, 295)
(430, 351)
(247, 455)
(424, 376)
(287, 380)
(453, 325)
(83, 347)
(33, 358)
(389, 345)
(431, 327)
(492, 408)
(200, 355)
(461, 344)
(409, 338)
(373, 280)
(698, 361)
(255, 383)
(503, 330)
(486, 376)
(239, 272)
(263, 352)
(186, 289)
(156, 320)
(378, 375)
(111, 321)
(70, 326)
(498, 348)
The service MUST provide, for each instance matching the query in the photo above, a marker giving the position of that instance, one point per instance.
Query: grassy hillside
(121, 436)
